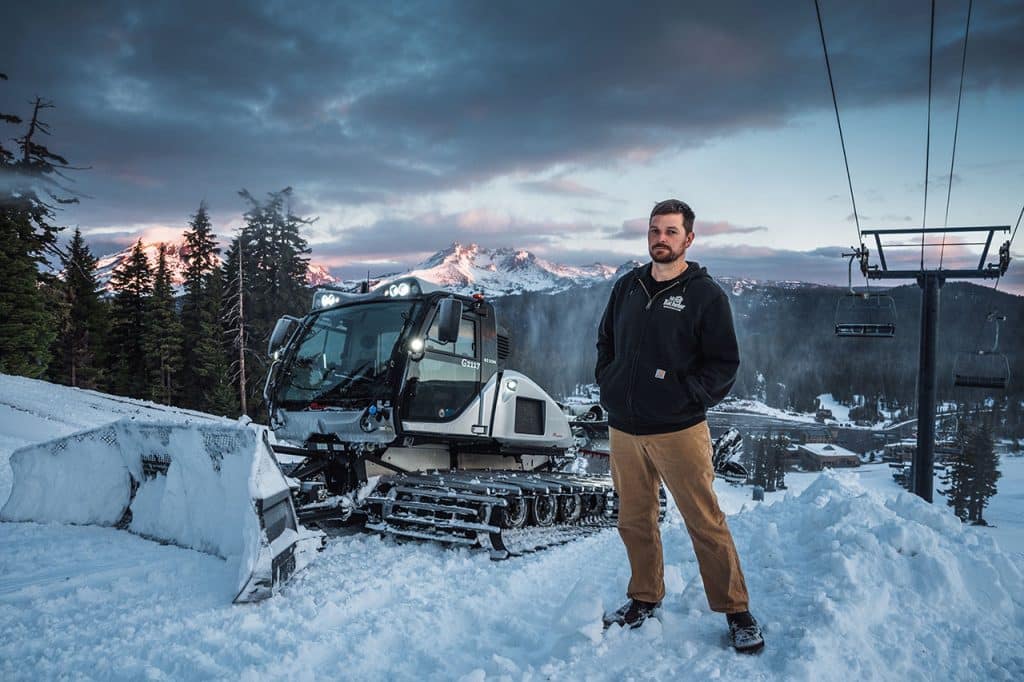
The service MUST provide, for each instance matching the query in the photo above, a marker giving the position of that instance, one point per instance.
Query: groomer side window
(447, 379)
(464, 346)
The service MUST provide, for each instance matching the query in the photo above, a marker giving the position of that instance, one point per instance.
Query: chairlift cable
(928, 134)
(835, 105)
(1019, 216)
(956, 126)
(1014, 234)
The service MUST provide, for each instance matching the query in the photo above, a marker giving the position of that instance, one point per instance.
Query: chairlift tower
(931, 282)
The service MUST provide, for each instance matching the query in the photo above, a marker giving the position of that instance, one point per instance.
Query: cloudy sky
(550, 126)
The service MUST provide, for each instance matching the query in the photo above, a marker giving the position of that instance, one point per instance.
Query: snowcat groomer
(402, 416)
(391, 408)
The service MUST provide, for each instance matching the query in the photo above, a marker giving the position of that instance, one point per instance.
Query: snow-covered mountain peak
(456, 253)
(470, 268)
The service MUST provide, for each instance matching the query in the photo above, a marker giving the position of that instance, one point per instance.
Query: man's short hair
(670, 206)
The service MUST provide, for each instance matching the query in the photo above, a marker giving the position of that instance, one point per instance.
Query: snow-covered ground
(758, 407)
(840, 413)
(851, 577)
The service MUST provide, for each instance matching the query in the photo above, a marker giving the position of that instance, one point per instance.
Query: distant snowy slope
(852, 578)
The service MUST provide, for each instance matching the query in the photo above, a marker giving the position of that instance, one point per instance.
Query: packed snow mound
(882, 588)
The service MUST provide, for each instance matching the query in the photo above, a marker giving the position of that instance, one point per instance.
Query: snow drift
(211, 487)
(878, 587)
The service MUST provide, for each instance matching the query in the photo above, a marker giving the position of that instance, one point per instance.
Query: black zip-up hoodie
(665, 356)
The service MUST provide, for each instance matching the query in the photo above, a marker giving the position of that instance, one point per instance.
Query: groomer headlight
(511, 384)
(416, 347)
(402, 288)
(325, 298)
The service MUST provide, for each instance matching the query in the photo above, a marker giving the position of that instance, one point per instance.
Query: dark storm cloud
(173, 102)
(401, 238)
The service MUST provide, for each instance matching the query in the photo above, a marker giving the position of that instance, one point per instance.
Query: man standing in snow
(666, 352)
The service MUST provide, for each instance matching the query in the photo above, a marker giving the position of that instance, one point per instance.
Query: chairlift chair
(983, 368)
(864, 314)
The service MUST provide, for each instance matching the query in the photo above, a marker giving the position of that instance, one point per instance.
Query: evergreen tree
(162, 338)
(29, 193)
(265, 277)
(980, 448)
(1014, 422)
(132, 284)
(78, 349)
(973, 472)
(27, 326)
(204, 368)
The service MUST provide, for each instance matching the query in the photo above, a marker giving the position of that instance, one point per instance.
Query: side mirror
(283, 331)
(449, 318)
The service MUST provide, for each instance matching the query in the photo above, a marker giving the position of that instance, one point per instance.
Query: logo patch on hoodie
(674, 303)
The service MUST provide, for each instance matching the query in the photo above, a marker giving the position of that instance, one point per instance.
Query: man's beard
(666, 254)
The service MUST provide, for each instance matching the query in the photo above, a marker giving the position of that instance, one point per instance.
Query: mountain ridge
(471, 268)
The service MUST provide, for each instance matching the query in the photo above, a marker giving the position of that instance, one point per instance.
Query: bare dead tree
(235, 318)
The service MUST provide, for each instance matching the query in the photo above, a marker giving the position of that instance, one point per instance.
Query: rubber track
(469, 508)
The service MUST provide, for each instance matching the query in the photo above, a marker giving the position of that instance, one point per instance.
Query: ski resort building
(818, 456)
(903, 450)
(900, 451)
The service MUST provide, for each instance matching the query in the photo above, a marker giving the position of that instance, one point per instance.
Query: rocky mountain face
(503, 272)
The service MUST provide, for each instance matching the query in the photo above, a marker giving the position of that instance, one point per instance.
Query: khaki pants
(683, 460)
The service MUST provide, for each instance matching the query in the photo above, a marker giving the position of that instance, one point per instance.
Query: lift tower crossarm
(983, 271)
(937, 230)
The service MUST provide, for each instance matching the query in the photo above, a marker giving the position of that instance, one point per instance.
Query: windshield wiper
(347, 379)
